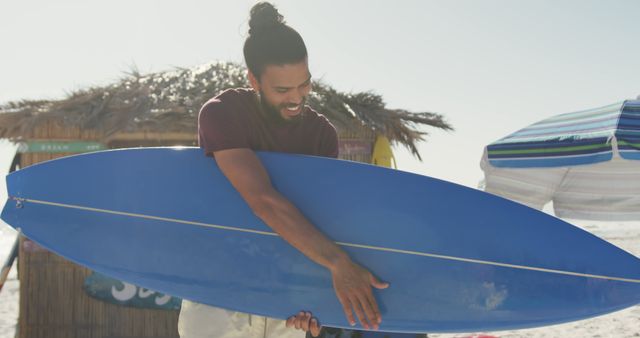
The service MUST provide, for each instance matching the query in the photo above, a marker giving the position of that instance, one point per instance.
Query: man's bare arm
(352, 282)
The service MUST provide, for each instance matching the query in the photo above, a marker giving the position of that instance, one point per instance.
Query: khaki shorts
(203, 321)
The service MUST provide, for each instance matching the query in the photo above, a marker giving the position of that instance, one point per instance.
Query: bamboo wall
(53, 303)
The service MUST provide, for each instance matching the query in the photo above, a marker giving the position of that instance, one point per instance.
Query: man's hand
(351, 282)
(305, 322)
(353, 287)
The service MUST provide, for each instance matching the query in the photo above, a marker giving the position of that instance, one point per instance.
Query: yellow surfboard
(382, 153)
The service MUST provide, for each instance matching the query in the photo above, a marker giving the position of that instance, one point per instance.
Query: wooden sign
(354, 147)
(59, 147)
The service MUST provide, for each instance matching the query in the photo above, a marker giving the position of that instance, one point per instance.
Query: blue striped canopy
(584, 137)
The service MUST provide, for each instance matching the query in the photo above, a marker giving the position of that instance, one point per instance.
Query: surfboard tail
(5, 212)
(8, 213)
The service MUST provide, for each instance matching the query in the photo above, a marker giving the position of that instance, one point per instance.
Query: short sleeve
(219, 128)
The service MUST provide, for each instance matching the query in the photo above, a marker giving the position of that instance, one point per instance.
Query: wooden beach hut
(158, 109)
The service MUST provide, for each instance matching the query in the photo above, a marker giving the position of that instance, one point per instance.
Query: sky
(490, 67)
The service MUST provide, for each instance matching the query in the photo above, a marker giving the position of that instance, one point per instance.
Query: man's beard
(273, 113)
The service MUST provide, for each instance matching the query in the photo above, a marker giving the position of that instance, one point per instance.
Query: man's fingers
(353, 285)
(372, 300)
(357, 307)
(368, 303)
(315, 327)
(374, 307)
(299, 320)
(304, 321)
(291, 321)
(346, 307)
(377, 283)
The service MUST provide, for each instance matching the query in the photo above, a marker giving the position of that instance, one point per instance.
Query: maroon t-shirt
(234, 119)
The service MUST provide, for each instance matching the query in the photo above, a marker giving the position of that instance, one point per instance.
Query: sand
(9, 294)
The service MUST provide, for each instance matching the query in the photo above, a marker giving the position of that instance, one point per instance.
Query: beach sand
(9, 295)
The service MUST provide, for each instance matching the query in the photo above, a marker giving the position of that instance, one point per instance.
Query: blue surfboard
(457, 259)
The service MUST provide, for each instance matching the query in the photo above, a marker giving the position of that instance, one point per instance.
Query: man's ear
(255, 84)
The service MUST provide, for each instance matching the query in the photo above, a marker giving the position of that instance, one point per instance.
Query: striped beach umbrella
(587, 163)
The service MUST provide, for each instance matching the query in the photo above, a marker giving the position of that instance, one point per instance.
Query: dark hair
(271, 41)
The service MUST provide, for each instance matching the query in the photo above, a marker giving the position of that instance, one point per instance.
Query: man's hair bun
(263, 17)
(271, 41)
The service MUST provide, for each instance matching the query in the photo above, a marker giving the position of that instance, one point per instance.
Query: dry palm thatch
(170, 101)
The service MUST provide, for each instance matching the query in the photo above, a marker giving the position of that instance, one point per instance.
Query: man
(272, 116)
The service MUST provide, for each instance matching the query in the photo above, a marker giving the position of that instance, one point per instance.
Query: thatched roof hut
(158, 109)
(168, 102)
